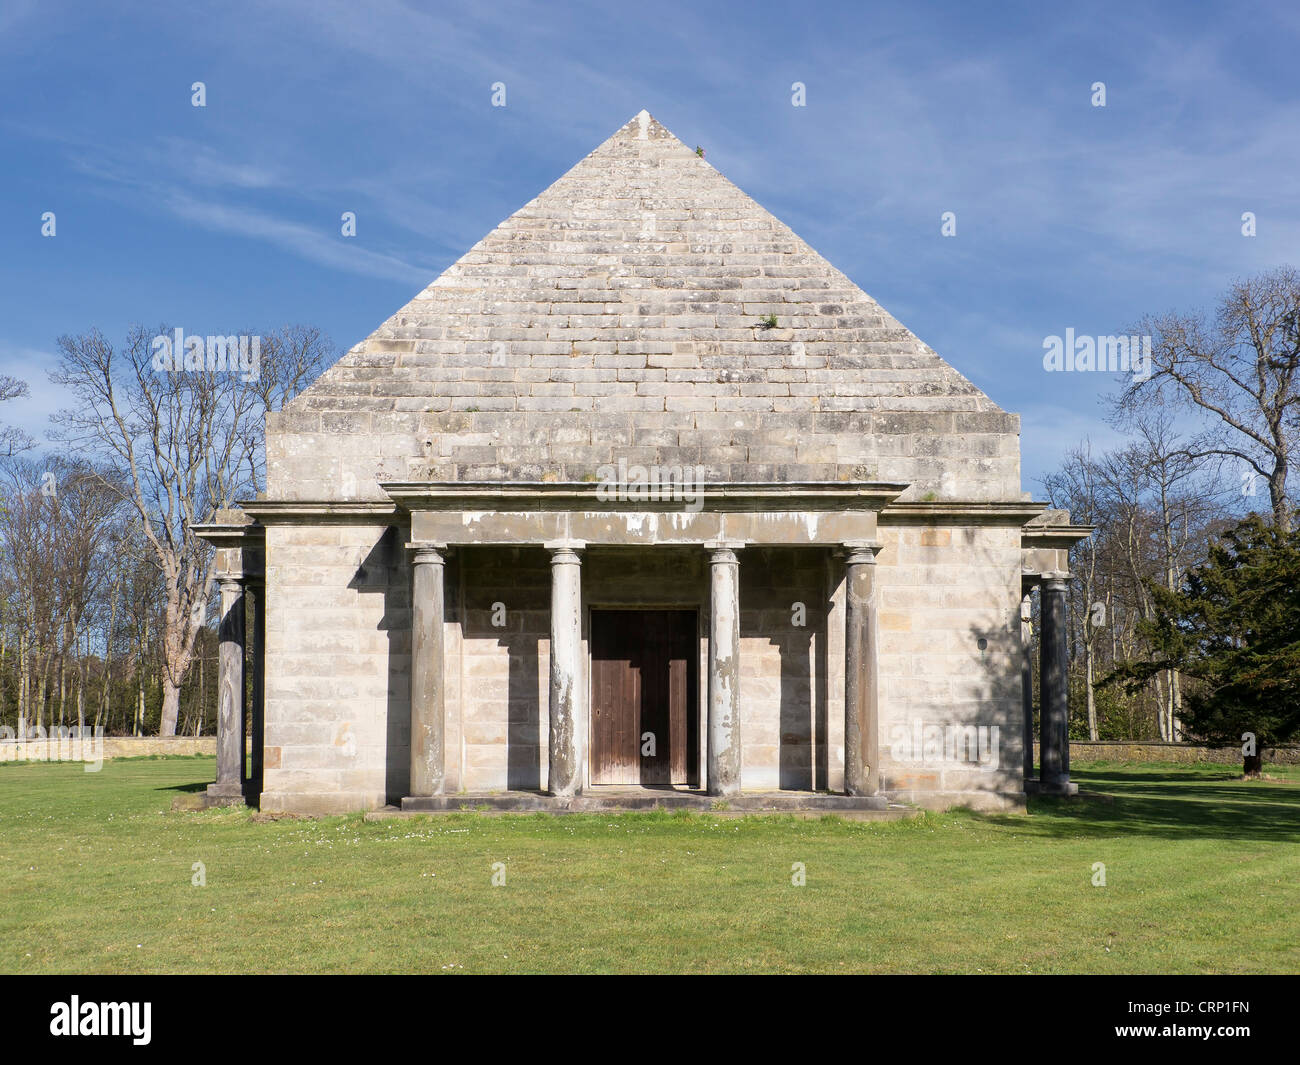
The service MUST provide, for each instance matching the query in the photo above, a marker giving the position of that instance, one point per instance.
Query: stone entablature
(483, 514)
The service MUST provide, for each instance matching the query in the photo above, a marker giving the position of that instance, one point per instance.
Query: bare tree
(1156, 509)
(1243, 368)
(13, 439)
(188, 438)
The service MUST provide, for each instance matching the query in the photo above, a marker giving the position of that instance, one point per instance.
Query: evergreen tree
(1234, 625)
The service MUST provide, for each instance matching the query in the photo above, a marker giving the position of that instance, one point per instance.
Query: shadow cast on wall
(386, 572)
(804, 751)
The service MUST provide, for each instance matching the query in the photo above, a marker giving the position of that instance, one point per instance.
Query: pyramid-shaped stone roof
(641, 307)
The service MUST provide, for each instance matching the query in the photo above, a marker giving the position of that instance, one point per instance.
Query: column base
(427, 802)
(1044, 787)
(223, 795)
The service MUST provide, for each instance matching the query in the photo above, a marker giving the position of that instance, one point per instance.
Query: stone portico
(816, 600)
(698, 556)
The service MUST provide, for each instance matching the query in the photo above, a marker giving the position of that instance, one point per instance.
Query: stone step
(632, 800)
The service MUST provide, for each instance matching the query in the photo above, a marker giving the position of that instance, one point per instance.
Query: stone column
(568, 747)
(1054, 768)
(724, 669)
(428, 722)
(229, 786)
(257, 604)
(861, 701)
(1027, 674)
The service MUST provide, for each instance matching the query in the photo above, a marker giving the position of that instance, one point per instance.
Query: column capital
(565, 552)
(427, 552)
(1058, 581)
(860, 552)
(231, 582)
(723, 552)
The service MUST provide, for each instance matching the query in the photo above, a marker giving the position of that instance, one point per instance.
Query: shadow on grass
(1173, 803)
(193, 787)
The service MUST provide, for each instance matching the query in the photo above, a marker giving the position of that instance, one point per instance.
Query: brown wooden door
(643, 680)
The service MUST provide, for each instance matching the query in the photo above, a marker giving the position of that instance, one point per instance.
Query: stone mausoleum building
(641, 501)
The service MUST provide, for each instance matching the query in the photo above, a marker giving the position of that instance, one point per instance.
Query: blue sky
(226, 218)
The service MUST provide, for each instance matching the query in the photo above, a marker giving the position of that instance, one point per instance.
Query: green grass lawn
(1202, 874)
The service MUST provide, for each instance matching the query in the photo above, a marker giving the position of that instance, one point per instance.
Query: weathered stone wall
(943, 589)
(324, 455)
(338, 661)
(497, 725)
(113, 747)
(783, 670)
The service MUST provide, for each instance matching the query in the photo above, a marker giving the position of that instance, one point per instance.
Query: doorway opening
(644, 698)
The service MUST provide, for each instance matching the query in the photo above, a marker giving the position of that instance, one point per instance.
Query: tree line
(1183, 619)
(106, 594)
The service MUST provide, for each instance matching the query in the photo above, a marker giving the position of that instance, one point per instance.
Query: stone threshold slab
(633, 800)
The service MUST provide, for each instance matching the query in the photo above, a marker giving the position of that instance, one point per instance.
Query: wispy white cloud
(204, 165)
(172, 173)
(307, 242)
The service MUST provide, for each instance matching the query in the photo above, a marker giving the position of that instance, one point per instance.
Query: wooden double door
(644, 697)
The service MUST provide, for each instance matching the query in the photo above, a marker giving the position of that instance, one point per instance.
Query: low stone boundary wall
(1156, 751)
(13, 750)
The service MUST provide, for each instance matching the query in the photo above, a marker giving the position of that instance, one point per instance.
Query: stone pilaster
(861, 698)
(724, 669)
(428, 719)
(568, 746)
